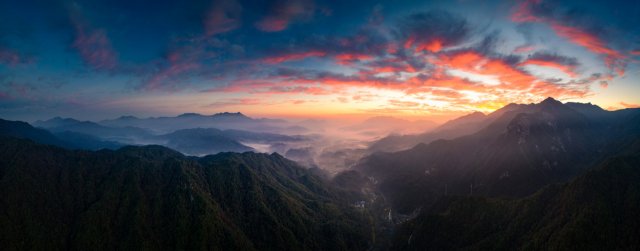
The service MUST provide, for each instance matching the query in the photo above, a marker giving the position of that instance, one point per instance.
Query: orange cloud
(451, 82)
(432, 46)
(627, 105)
(510, 77)
(401, 103)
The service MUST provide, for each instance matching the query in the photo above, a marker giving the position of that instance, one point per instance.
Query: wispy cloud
(580, 34)
(282, 13)
(92, 44)
(224, 16)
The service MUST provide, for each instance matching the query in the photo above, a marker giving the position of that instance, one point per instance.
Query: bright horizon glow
(349, 60)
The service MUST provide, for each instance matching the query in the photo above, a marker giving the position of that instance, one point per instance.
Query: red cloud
(159, 80)
(347, 58)
(293, 56)
(95, 48)
(177, 65)
(433, 45)
(523, 12)
(93, 44)
(4, 96)
(613, 59)
(224, 16)
(510, 77)
(272, 24)
(524, 49)
(283, 13)
(10, 58)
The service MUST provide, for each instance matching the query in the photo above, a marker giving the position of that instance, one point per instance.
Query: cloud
(390, 65)
(347, 58)
(92, 44)
(510, 77)
(282, 13)
(402, 103)
(613, 59)
(432, 31)
(292, 56)
(224, 16)
(12, 58)
(565, 64)
(4, 96)
(236, 102)
(524, 49)
(165, 78)
(194, 55)
(628, 105)
(567, 25)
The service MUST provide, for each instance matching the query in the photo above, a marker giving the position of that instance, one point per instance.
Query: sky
(312, 58)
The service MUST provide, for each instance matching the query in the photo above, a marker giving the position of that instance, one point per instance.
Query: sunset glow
(312, 58)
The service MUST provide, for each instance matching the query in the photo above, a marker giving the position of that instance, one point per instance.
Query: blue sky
(306, 58)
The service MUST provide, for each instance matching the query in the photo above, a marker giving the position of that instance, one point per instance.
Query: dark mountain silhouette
(129, 135)
(381, 125)
(193, 141)
(86, 142)
(202, 141)
(520, 151)
(451, 129)
(225, 120)
(465, 125)
(24, 130)
(56, 122)
(66, 139)
(596, 211)
(155, 198)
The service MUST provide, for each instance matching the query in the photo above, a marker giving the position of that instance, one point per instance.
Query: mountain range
(595, 211)
(192, 141)
(155, 198)
(224, 120)
(516, 151)
(548, 175)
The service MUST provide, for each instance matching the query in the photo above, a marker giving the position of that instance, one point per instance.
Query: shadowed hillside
(155, 198)
(596, 211)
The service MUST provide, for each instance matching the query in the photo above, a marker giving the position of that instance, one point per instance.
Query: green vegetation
(154, 198)
(599, 210)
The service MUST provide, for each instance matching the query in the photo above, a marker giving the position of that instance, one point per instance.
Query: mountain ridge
(152, 197)
(523, 149)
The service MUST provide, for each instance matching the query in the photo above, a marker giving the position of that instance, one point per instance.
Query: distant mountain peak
(58, 118)
(473, 115)
(127, 117)
(189, 114)
(550, 100)
(229, 114)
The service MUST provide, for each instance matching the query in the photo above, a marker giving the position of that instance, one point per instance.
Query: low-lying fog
(330, 144)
